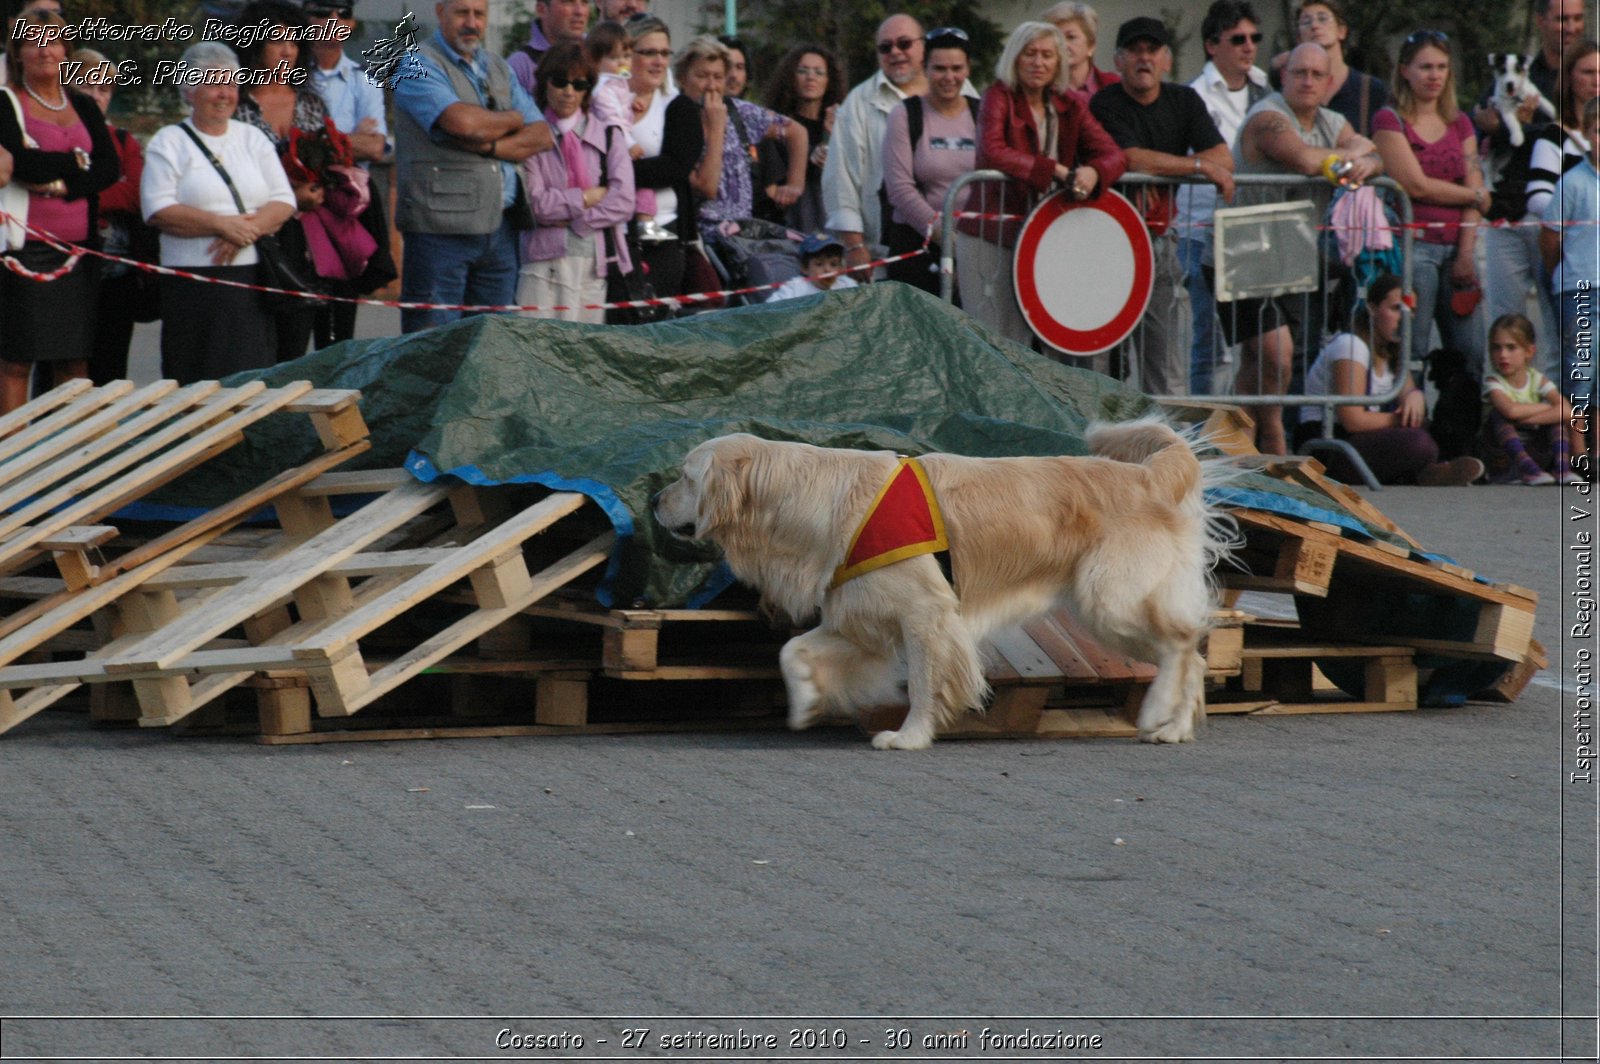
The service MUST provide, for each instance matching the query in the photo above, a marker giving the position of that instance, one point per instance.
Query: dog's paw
(802, 689)
(904, 739)
(803, 697)
(1173, 731)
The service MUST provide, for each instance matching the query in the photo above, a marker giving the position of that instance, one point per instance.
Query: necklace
(42, 102)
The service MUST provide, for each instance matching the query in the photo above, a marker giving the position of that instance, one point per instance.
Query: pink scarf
(572, 150)
(340, 245)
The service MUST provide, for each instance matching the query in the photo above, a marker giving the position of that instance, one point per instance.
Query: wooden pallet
(1036, 671)
(1280, 676)
(169, 640)
(1297, 557)
(1504, 626)
(78, 453)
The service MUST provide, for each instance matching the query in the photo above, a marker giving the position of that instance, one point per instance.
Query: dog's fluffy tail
(1151, 442)
(1175, 457)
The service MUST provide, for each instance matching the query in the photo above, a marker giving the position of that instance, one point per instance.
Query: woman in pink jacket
(582, 197)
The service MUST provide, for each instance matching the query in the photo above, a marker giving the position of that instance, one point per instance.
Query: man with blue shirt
(462, 127)
(354, 103)
(1571, 252)
(356, 107)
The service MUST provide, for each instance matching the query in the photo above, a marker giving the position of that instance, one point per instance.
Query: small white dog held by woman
(1123, 538)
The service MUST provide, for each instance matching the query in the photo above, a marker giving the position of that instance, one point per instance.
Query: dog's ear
(1494, 60)
(724, 487)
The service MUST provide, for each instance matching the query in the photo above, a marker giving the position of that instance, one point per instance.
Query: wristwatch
(82, 157)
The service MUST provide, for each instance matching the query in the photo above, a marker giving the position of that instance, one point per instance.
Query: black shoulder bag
(275, 268)
(625, 287)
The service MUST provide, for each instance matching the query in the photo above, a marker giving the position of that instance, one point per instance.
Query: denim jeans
(1203, 310)
(1510, 269)
(1431, 278)
(444, 268)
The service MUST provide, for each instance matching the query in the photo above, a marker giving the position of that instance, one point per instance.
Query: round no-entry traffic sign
(1083, 271)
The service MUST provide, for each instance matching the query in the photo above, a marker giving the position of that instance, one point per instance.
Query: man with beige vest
(462, 128)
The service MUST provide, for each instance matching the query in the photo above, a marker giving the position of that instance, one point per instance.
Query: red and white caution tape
(76, 253)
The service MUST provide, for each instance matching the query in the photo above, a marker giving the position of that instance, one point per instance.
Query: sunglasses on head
(1238, 39)
(1428, 37)
(900, 43)
(581, 84)
(947, 31)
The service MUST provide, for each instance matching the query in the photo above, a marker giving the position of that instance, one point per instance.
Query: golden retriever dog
(1122, 538)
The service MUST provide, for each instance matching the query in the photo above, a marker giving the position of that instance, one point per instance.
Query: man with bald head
(463, 127)
(854, 170)
(1288, 132)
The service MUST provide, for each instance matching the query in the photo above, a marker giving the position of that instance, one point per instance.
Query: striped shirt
(1556, 151)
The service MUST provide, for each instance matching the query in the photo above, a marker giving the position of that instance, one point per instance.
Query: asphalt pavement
(1410, 885)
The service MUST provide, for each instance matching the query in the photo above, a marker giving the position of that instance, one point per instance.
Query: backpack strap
(913, 106)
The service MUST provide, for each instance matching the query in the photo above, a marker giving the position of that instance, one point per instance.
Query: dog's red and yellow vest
(902, 522)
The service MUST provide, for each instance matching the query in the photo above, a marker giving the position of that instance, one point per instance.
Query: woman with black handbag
(214, 188)
(276, 103)
(668, 128)
(581, 195)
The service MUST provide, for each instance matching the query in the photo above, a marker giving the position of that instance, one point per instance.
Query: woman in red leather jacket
(1031, 127)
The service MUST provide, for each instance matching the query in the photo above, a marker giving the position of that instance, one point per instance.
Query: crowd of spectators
(596, 150)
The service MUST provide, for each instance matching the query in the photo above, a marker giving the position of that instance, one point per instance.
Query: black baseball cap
(1143, 28)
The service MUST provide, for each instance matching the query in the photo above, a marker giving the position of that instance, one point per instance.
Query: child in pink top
(611, 102)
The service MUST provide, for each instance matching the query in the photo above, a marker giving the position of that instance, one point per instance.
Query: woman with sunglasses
(671, 139)
(918, 171)
(581, 195)
(806, 87)
(1429, 146)
(1079, 25)
(1041, 135)
(1353, 94)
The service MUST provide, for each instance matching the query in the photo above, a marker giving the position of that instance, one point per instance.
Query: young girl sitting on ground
(1393, 439)
(1529, 432)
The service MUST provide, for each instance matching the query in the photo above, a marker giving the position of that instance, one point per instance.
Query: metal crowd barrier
(1321, 313)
